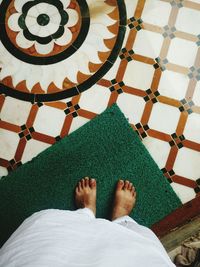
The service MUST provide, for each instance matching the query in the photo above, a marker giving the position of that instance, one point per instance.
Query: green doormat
(105, 148)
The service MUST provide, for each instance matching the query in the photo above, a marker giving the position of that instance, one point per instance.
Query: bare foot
(85, 196)
(125, 198)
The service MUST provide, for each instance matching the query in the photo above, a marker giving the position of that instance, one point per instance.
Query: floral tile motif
(58, 49)
(63, 62)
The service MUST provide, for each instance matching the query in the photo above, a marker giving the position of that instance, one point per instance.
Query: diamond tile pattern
(161, 114)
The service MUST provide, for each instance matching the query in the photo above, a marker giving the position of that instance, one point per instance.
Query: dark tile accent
(164, 170)
(31, 130)
(23, 127)
(119, 91)
(197, 189)
(171, 143)
(12, 161)
(74, 114)
(171, 172)
(39, 104)
(138, 126)
(174, 135)
(146, 98)
(67, 111)
(198, 181)
(170, 180)
(180, 145)
(143, 135)
(69, 104)
(156, 66)
(28, 137)
(58, 138)
(146, 127)
(77, 107)
(21, 134)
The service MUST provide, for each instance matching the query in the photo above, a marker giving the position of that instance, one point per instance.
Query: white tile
(77, 123)
(73, 17)
(95, 99)
(22, 41)
(13, 22)
(3, 172)
(187, 163)
(164, 118)
(184, 56)
(8, 144)
(138, 75)
(173, 84)
(44, 49)
(131, 4)
(188, 20)
(65, 38)
(132, 106)
(156, 12)
(148, 43)
(32, 149)
(49, 121)
(158, 149)
(30, 21)
(15, 111)
(196, 96)
(183, 192)
(192, 128)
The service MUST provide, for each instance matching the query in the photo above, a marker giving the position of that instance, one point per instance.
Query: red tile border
(178, 217)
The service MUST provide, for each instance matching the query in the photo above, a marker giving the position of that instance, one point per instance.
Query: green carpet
(105, 148)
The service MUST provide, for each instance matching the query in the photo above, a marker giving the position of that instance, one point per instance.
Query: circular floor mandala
(51, 50)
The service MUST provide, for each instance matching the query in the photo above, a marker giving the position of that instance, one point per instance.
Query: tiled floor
(63, 62)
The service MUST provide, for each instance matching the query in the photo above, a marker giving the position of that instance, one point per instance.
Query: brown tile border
(178, 217)
(184, 181)
(9, 126)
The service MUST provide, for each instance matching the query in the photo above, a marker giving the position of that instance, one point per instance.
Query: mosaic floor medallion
(57, 49)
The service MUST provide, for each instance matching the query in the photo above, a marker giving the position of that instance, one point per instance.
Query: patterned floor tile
(160, 122)
(185, 193)
(190, 168)
(63, 63)
(181, 56)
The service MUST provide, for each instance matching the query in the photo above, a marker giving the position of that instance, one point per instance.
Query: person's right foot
(125, 198)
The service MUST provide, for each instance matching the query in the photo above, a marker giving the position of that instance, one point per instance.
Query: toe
(86, 181)
(126, 185)
(77, 190)
(83, 183)
(79, 186)
(133, 192)
(120, 184)
(130, 186)
(92, 183)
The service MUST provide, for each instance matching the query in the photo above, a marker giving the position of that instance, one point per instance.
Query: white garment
(58, 238)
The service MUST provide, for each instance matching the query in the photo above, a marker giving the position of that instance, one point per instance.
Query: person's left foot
(85, 196)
